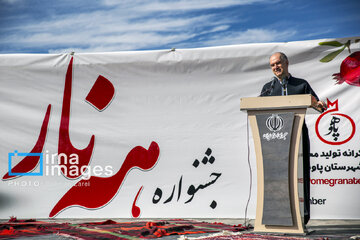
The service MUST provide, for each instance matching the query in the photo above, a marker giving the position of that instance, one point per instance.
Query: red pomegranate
(349, 70)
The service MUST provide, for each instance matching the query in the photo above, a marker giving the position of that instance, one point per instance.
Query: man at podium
(282, 84)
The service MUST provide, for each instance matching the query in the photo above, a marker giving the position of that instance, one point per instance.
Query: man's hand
(322, 105)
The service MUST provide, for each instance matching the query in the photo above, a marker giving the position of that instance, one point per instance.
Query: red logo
(339, 130)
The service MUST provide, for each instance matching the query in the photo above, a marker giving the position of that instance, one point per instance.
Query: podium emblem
(274, 123)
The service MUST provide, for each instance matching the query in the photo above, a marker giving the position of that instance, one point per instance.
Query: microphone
(270, 89)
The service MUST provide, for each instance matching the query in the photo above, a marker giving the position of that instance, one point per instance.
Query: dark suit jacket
(294, 86)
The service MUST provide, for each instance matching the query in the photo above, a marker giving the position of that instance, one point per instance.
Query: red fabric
(110, 229)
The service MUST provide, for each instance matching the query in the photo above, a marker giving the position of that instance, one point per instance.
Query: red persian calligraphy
(333, 107)
(65, 146)
(101, 93)
(29, 163)
(135, 210)
(103, 190)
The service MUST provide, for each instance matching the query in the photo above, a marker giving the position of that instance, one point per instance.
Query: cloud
(131, 25)
(256, 35)
(179, 5)
(103, 35)
(190, 5)
(10, 1)
(125, 42)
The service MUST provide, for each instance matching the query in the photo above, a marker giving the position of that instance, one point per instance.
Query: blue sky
(62, 26)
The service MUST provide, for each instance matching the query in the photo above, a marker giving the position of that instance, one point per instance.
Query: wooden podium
(276, 124)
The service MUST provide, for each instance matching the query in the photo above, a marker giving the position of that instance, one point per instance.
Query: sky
(64, 26)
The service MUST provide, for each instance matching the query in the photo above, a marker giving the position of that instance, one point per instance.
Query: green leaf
(331, 43)
(331, 55)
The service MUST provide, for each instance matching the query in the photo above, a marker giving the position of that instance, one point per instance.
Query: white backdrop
(186, 101)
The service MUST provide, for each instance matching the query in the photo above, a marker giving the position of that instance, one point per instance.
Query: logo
(340, 128)
(275, 123)
(19, 171)
(50, 165)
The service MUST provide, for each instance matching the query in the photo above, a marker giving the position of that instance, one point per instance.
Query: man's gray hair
(283, 57)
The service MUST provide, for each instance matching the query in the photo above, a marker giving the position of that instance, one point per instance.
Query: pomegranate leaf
(331, 55)
(331, 43)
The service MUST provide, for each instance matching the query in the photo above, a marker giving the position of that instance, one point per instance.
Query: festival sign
(160, 134)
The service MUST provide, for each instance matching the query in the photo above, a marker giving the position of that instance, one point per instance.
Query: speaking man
(282, 84)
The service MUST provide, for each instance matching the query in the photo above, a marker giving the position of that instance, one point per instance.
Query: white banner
(160, 134)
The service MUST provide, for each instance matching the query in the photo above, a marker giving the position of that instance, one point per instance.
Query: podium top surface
(280, 102)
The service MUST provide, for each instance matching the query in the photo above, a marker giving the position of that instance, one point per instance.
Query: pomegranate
(349, 70)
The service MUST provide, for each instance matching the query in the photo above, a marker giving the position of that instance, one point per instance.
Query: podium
(276, 123)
